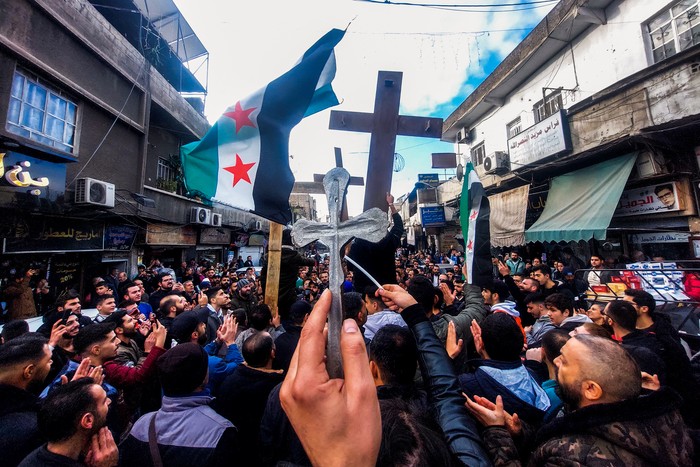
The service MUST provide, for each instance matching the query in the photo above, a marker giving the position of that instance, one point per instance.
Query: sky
(443, 52)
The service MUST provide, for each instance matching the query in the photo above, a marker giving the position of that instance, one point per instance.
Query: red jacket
(120, 375)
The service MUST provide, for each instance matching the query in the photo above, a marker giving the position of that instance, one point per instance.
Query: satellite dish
(460, 172)
(399, 162)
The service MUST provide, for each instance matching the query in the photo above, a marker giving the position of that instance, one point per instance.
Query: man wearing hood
(560, 310)
(244, 297)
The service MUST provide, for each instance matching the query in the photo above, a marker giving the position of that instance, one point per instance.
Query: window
(478, 153)
(674, 29)
(547, 107)
(514, 127)
(165, 170)
(41, 114)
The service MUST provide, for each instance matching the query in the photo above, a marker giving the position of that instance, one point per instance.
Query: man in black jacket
(24, 364)
(73, 419)
(378, 258)
(244, 393)
(286, 343)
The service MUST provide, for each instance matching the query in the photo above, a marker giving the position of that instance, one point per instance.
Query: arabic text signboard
(30, 182)
(546, 138)
(653, 199)
(120, 237)
(55, 234)
(432, 216)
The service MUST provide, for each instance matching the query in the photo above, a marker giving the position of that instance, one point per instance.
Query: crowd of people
(189, 366)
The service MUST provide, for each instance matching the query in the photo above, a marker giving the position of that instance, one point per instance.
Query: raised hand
(448, 296)
(103, 450)
(57, 331)
(328, 412)
(452, 344)
(485, 415)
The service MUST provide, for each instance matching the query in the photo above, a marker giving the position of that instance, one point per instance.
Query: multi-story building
(303, 205)
(586, 133)
(97, 99)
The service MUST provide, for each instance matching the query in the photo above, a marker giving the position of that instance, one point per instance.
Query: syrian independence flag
(243, 160)
(474, 217)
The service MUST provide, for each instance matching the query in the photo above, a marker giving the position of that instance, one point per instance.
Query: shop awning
(507, 221)
(581, 203)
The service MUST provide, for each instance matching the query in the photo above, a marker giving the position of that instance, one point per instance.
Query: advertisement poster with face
(654, 199)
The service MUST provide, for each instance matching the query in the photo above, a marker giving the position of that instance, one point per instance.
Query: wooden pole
(274, 257)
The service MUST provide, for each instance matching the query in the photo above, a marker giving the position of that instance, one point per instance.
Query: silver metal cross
(370, 225)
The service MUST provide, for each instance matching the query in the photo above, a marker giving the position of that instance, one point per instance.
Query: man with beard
(133, 292)
(608, 422)
(132, 368)
(191, 326)
(24, 365)
(73, 420)
(170, 307)
(244, 296)
(165, 287)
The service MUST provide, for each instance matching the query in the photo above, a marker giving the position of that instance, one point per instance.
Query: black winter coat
(18, 424)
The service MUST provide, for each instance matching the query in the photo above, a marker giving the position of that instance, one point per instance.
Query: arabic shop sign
(653, 199)
(29, 181)
(432, 216)
(55, 234)
(666, 237)
(546, 138)
(120, 237)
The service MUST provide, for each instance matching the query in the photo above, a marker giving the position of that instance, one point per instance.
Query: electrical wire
(460, 5)
(114, 122)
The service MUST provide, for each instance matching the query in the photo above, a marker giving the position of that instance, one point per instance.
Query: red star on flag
(240, 170)
(241, 116)
(470, 246)
(473, 215)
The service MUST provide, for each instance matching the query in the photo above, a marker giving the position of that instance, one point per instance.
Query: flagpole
(274, 257)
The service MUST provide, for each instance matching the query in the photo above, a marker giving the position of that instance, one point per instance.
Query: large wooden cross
(384, 125)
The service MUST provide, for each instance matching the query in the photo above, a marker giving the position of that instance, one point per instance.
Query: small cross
(370, 225)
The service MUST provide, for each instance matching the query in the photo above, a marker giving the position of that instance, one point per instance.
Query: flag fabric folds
(243, 160)
(474, 218)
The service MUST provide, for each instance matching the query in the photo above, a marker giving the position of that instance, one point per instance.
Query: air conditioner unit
(465, 135)
(497, 162)
(216, 220)
(97, 192)
(200, 216)
(649, 164)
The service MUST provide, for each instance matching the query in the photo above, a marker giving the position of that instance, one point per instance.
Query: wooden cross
(370, 225)
(316, 187)
(384, 125)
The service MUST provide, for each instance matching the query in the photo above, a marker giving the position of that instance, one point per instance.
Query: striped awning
(507, 221)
